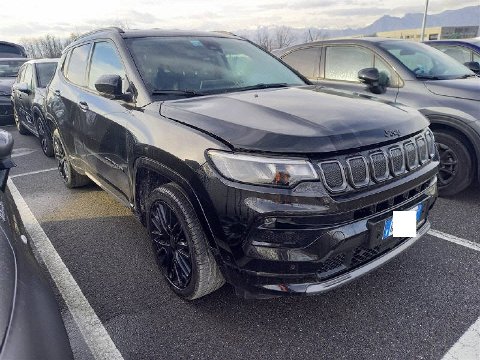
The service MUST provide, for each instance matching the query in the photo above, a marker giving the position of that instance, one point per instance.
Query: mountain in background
(460, 17)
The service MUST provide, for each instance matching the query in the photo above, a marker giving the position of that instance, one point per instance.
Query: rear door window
(305, 61)
(344, 62)
(77, 65)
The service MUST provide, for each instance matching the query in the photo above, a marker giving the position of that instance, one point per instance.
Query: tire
(20, 127)
(180, 244)
(456, 170)
(46, 141)
(70, 176)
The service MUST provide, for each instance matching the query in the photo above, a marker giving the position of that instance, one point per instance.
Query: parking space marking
(456, 240)
(96, 336)
(33, 172)
(468, 346)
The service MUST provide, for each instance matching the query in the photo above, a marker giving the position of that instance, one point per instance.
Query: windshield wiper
(185, 92)
(466, 76)
(260, 86)
(427, 77)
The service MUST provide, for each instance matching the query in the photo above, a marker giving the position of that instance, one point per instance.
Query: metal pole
(424, 21)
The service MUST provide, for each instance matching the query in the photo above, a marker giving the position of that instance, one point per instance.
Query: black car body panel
(451, 105)
(31, 326)
(267, 240)
(294, 120)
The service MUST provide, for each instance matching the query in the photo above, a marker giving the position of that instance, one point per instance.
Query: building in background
(433, 33)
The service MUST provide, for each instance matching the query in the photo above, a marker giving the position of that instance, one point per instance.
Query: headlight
(262, 170)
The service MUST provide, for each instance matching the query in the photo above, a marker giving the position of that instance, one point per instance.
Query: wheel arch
(458, 126)
(150, 174)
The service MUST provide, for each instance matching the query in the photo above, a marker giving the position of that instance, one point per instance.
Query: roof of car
(469, 42)
(14, 58)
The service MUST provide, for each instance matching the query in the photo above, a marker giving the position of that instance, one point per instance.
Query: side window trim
(89, 64)
(65, 74)
(400, 82)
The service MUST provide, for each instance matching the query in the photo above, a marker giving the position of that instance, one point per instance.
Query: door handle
(56, 92)
(83, 105)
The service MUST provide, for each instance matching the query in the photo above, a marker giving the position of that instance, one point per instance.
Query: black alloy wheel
(180, 244)
(456, 170)
(70, 176)
(170, 245)
(45, 138)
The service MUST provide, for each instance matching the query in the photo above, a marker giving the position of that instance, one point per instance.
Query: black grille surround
(371, 167)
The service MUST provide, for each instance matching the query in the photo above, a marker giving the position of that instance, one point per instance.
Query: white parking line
(456, 240)
(468, 346)
(96, 336)
(33, 172)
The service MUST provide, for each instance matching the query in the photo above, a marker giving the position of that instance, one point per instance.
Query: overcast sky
(32, 18)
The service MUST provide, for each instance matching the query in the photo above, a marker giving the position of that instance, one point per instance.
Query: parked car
(28, 98)
(8, 49)
(465, 51)
(31, 326)
(8, 72)
(446, 92)
(239, 169)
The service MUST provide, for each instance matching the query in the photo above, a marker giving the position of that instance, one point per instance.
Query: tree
(283, 37)
(263, 38)
(314, 35)
(48, 46)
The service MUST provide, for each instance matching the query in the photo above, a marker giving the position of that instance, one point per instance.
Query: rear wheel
(45, 137)
(180, 244)
(70, 176)
(456, 171)
(20, 127)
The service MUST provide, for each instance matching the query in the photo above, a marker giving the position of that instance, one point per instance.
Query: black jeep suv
(240, 169)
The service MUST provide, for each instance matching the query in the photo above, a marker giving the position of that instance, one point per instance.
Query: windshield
(45, 73)
(206, 65)
(9, 68)
(425, 61)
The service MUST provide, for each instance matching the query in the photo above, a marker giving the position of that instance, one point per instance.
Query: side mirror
(474, 66)
(23, 87)
(6, 163)
(109, 86)
(371, 77)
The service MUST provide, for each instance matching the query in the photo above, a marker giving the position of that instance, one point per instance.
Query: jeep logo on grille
(392, 133)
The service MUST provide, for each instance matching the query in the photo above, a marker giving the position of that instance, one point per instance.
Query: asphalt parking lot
(415, 307)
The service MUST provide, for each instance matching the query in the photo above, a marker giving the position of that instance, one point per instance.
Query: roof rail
(112, 28)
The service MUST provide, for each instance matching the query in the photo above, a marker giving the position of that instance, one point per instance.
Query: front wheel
(70, 176)
(180, 244)
(45, 137)
(456, 170)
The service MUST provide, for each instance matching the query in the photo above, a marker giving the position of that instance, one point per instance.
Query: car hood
(6, 85)
(459, 88)
(295, 120)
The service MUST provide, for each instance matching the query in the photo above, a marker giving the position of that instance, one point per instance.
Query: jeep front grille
(370, 167)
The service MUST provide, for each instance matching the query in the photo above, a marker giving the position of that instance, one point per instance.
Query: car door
(67, 101)
(104, 133)
(341, 64)
(306, 61)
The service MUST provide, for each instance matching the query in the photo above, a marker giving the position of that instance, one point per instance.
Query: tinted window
(476, 57)
(206, 64)
(78, 64)
(9, 68)
(344, 62)
(45, 72)
(28, 75)
(105, 61)
(13, 50)
(305, 61)
(459, 53)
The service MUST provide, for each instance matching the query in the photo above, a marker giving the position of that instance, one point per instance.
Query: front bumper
(306, 242)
